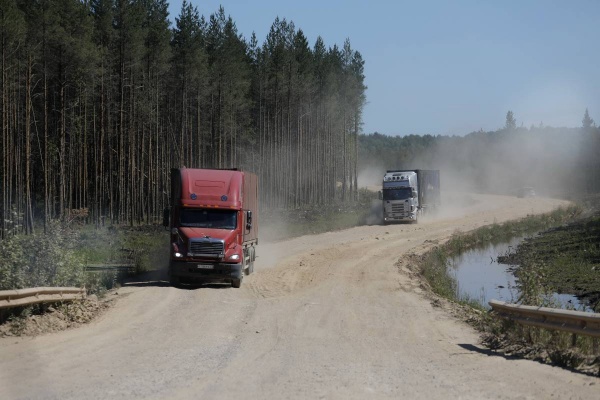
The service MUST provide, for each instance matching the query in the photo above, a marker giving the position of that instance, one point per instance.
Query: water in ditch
(480, 277)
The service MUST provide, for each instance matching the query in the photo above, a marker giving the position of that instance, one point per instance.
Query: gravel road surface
(327, 316)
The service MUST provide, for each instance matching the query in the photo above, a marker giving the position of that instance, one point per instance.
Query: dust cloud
(555, 162)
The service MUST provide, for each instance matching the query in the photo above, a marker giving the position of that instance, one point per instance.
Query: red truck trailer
(213, 221)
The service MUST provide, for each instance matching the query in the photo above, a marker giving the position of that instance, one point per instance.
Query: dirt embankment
(324, 316)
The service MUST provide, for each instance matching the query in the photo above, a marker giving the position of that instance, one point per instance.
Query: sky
(451, 67)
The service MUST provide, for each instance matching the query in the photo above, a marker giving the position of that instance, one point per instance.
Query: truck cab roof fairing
(218, 188)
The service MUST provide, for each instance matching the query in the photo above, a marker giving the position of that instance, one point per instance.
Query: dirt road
(325, 316)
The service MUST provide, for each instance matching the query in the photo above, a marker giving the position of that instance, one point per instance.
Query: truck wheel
(252, 258)
(247, 267)
(236, 283)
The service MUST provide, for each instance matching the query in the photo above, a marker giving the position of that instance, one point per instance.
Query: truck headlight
(175, 249)
(234, 257)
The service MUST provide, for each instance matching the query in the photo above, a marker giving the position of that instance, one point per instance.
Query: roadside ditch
(563, 258)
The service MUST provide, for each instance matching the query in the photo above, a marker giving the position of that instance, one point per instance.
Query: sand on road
(328, 316)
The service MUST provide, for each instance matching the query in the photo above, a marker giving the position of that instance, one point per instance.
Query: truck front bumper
(205, 271)
(400, 217)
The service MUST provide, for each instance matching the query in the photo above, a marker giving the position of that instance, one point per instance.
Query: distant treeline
(100, 98)
(562, 162)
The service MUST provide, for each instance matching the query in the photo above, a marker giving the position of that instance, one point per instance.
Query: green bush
(41, 259)
(434, 266)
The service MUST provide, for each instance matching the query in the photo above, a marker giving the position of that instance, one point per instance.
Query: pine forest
(101, 98)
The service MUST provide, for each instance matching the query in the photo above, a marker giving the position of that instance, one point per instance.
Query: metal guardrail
(577, 322)
(26, 297)
(129, 268)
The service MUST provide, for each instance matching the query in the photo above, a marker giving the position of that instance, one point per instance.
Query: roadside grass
(67, 249)
(41, 259)
(60, 256)
(554, 347)
(549, 266)
(143, 246)
(285, 224)
(565, 259)
(435, 264)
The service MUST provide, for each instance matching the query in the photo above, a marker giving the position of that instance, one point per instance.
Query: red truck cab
(213, 224)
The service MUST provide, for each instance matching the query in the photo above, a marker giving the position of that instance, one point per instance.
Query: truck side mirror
(248, 220)
(380, 195)
(166, 215)
(414, 193)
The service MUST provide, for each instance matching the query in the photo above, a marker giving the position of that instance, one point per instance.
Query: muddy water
(480, 277)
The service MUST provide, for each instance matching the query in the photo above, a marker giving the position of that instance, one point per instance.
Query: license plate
(204, 266)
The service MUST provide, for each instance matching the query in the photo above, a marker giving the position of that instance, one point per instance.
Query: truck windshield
(397, 194)
(203, 218)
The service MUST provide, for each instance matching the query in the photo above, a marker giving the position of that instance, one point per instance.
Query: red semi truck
(213, 221)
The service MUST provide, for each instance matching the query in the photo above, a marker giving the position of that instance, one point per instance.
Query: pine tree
(151, 106)
(12, 37)
(511, 123)
(587, 122)
(190, 76)
(100, 98)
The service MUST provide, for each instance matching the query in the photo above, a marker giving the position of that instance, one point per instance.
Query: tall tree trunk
(28, 206)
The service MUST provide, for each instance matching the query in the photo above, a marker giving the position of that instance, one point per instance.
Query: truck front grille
(398, 208)
(207, 248)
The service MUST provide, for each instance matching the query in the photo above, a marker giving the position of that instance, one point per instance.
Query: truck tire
(249, 267)
(236, 283)
(252, 258)
(248, 263)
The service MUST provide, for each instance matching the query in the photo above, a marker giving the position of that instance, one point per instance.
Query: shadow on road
(480, 350)
(489, 352)
(146, 283)
(159, 278)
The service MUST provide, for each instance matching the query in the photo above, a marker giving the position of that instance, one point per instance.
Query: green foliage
(40, 260)
(435, 264)
(145, 246)
(434, 268)
(284, 224)
(59, 256)
(563, 260)
(148, 247)
(555, 347)
(535, 284)
(116, 97)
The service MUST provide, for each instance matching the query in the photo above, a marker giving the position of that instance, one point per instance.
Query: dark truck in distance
(213, 222)
(408, 193)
